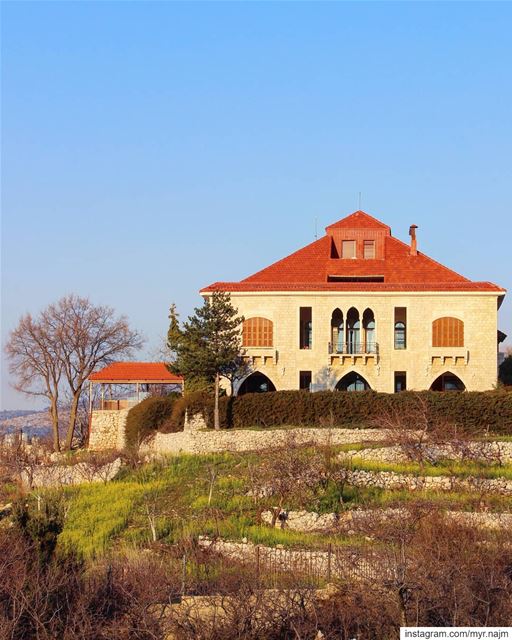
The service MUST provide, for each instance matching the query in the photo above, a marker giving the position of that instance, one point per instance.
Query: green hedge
(475, 411)
(195, 402)
(147, 417)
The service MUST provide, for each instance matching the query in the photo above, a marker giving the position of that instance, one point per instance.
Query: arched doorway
(337, 331)
(353, 331)
(448, 382)
(353, 382)
(257, 382)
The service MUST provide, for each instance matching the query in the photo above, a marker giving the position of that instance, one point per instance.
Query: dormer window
(369, 249)
(348, 249)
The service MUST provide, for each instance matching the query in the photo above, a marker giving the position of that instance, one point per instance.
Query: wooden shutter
(369, 249)
(258, 332)
(348, 249)
(448, 332)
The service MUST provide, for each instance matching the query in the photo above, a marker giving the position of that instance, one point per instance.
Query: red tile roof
(358, 220)
(146, 372)
(308, 268)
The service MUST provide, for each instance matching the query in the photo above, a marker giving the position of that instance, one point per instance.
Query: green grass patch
(177, 491)
(96, 513)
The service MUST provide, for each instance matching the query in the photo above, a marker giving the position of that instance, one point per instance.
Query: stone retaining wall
(51, 475)
(392, 480)
(362, 520)
(108, 430)
(491, 452)
(198, 442)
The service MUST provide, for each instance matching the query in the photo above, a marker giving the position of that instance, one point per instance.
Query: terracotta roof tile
(309, 268)
(135, 372)
(353, 286)
(358, 220)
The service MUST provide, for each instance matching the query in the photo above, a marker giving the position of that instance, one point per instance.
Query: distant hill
(34, 423)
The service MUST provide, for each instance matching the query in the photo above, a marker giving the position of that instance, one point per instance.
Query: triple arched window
(258, 332)
(447, 332)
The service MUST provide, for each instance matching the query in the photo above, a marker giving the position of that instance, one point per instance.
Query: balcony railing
(349, 348)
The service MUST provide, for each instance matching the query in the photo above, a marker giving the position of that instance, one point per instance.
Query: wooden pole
(90, 408)
(90, 397)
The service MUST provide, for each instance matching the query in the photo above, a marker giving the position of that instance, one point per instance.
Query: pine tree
(174, 331)
(209, 344)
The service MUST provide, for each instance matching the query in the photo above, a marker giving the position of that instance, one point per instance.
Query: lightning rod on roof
(316, 230)
(359, 207)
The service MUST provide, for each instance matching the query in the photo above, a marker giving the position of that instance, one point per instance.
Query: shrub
(146, 417)
(505, 371)
(194, 402)
(476, 412)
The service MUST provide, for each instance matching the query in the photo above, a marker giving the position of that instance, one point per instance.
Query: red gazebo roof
(131, 372)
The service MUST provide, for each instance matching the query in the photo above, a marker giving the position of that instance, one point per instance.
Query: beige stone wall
(108, 430)
(475, 364)
(210, 441)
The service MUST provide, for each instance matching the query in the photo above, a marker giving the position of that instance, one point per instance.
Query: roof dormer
(359, 236)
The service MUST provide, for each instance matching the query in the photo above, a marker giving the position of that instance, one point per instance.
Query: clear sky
(149, 149)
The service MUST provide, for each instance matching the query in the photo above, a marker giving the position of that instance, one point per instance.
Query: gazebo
(138, 377)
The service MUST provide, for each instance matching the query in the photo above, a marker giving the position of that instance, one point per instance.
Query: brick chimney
(414, 246)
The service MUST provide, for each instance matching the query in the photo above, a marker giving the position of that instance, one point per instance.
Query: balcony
(364, 351)
(349, 348)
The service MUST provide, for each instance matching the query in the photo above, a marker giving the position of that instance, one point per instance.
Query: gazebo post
(90, 397)
(138, 391)
(102, 397)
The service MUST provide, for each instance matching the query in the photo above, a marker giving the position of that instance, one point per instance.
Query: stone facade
(359, 289)
(108, 430)
(475, 363)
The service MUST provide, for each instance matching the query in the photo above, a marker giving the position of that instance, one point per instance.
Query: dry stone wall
(51, 475)
(392, 480)
(108, 430)
(363, 520)
(491, 452)
(202, 441)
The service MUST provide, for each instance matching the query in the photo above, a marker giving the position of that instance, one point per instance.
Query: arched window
(353, 331)
(256, 383)
(352, 382)
(370, 345)
(447, 332)
(400, 342)
(337, 331)
(258, 332)
(400, 327)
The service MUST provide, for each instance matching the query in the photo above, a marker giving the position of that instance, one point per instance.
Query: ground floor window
(400, 381)
(305, 380)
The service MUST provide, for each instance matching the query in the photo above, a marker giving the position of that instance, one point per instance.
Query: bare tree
(90, 336)
(68, 340)
(34, 354)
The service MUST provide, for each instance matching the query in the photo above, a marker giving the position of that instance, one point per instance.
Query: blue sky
(149, 149)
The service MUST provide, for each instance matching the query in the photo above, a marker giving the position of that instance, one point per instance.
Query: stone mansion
(359, 309)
